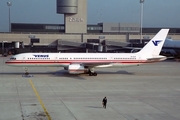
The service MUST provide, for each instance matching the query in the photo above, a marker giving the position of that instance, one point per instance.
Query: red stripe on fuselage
(76, 61)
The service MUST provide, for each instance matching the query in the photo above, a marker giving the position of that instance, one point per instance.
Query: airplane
(79, 63)
(171, 48)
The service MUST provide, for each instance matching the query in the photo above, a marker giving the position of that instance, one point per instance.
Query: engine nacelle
(76, 69)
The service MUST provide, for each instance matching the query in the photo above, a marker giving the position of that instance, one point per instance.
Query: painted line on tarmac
(52, 68)
(40, 101)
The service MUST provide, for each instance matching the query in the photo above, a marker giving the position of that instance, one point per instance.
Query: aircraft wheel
(90, 74)
(26, 73)
(95, 74)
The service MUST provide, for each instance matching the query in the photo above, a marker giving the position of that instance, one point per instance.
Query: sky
(156, 13)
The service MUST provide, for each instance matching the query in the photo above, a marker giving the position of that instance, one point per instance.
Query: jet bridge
(113, 46)
(68, 46)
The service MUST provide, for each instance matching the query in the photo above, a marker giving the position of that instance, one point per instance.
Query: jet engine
(76, 69)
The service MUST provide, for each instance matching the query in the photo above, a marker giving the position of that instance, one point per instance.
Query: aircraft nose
(8, 62)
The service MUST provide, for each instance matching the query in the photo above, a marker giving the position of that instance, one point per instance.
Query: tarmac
(146, 92)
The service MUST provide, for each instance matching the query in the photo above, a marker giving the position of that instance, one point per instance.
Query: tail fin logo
(156, 42)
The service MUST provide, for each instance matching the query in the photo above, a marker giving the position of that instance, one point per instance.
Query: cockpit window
(12, 58)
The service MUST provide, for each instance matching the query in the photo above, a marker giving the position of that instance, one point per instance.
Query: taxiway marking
(40, 101)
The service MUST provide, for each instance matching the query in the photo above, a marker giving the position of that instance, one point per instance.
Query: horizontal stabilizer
(159, 58)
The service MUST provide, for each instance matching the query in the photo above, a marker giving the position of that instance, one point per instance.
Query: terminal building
(75, 35)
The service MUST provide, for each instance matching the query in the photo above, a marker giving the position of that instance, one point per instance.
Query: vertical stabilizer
(154, 46)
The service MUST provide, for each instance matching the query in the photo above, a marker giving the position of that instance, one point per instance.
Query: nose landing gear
(26, 74)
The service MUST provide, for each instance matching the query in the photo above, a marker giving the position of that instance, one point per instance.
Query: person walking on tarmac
(104, 102)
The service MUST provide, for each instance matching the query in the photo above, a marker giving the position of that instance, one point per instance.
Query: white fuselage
(65, 59)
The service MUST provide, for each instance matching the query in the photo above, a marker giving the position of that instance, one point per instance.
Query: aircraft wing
(95, 64)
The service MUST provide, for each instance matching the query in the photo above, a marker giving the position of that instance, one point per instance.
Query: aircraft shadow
(63, 73)
(21, 73)
(121, 72)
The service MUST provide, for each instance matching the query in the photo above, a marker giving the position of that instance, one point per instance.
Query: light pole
(9, 5)
(141, 19)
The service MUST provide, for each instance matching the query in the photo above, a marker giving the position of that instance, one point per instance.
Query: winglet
(154, 46)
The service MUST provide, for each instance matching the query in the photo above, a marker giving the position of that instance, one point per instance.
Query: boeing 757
(77, 63)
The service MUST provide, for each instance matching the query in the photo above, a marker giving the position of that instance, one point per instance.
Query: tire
(90, 74)
(95, 74)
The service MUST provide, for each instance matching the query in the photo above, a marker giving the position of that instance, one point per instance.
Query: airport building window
(125, 28)
(115, 28)
(129, 29)
(122, 28)
(62, 27)
(94, 28)
(100, 28)
(52, 27)
(135, 28)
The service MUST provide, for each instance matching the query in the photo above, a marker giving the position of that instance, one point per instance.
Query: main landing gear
(92, 73)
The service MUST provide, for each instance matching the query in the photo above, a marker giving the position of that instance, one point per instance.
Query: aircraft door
(111, 59)
(56, 60)
(139, 59)
(24, 59)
